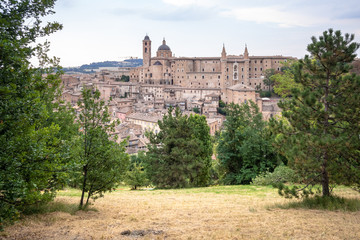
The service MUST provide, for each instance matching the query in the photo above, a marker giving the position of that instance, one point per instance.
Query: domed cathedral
(164, 51)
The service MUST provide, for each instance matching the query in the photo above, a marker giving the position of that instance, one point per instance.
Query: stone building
(197, 77)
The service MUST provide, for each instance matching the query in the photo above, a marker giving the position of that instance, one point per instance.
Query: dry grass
(236, 212)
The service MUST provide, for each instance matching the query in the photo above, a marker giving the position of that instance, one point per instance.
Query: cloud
(281, 17)
(170, 15)
(186, 3)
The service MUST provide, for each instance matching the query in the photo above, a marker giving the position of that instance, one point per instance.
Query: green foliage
(102, 162)
(284, 81)
(281, 174)
(123, 78)
(265, 94)
(136, 176)
(244, 148)
(35, 130)
(268, 81)
(221, 108)
(319, 133)
(331, 203)
(196, 110)
(180, 154)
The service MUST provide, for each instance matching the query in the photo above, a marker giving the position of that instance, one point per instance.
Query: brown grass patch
(240, 212)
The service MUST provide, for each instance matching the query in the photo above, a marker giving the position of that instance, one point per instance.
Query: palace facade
(234, 78)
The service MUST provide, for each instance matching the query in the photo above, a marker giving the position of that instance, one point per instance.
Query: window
(242, 69)
(145, 43)
(255, 69)
(145, 49)
(203, 77)
(203, 69)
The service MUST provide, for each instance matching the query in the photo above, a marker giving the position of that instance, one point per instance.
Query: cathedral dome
(146, 37)
(157, 63)
(164, 46)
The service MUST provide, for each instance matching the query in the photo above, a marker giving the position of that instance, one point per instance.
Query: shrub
(281, 174)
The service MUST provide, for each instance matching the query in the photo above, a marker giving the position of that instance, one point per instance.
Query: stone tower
(146, 51)
(246, 66)
(223, 66)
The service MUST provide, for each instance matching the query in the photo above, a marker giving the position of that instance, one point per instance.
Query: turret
(146, 51)
(223, 53)
(246, 53)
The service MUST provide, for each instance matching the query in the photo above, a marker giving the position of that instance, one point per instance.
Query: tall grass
(332, 203)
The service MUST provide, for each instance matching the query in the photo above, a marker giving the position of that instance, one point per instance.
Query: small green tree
(320, 131)
(180, 154)
(136, 175)
(196, 110)
(244, 147)
(102, 161)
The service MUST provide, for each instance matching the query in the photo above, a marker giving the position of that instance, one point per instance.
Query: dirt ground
(215, 213)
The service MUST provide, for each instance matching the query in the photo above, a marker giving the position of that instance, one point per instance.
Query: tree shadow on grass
(332, 203)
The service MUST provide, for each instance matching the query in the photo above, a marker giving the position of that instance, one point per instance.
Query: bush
(265, 94)
(281, 174)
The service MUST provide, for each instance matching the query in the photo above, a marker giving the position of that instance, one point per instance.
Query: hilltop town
(194, 84)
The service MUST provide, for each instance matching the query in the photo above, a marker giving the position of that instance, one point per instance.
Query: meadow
(220, 212)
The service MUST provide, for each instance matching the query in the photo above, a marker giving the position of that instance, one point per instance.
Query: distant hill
(90, 68)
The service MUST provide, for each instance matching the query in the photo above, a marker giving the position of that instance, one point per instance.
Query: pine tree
(180, 154)
(321, 129)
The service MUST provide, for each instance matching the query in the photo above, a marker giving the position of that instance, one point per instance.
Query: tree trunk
(88, 197)
(325, 178)
(83, 188)
(324, 173)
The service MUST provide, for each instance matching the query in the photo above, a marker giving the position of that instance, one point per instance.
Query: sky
(113, 30)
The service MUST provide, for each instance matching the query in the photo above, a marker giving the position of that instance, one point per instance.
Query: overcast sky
(114, 29)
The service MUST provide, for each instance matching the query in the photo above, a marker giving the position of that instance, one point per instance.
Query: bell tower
(146, 51)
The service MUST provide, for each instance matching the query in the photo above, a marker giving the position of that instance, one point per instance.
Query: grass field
(224, 212)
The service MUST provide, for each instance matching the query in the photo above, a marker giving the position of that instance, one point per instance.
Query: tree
(320, 131)
(102, 161)
(244, 147)
(180, 154)
(284, 80)
(267, 78)
(32, 144)
(196, 110)
(136, 175)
